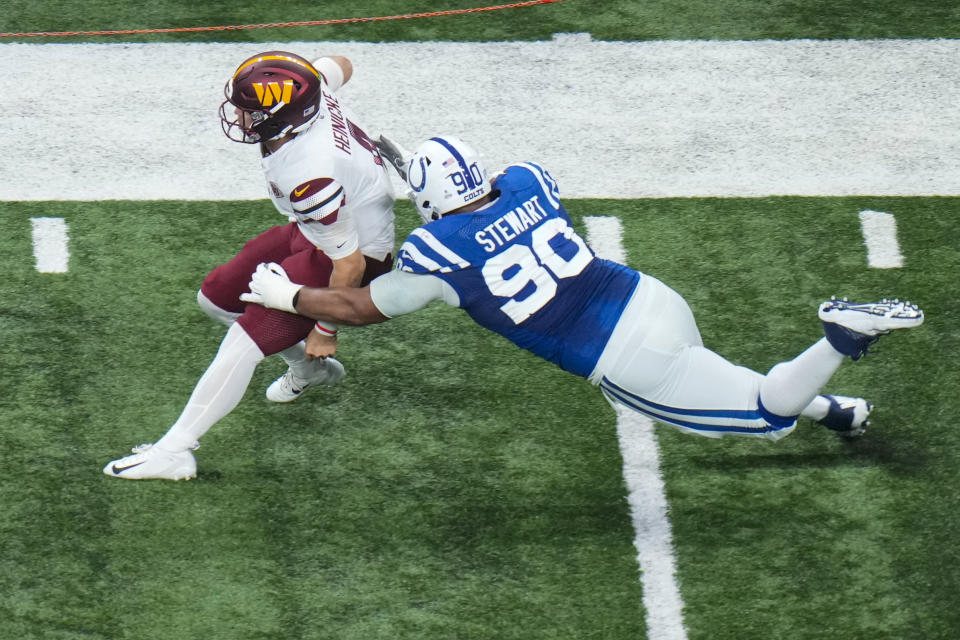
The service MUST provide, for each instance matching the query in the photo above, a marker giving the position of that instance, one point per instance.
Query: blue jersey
(521, 271)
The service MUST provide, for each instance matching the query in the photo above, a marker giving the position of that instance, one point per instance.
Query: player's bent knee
(224, 285)
(779, 426)
(220, 315)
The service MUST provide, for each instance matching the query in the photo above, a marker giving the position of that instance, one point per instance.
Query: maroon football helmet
(269, 95)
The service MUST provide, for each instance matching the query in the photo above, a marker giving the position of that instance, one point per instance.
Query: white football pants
(655, 363)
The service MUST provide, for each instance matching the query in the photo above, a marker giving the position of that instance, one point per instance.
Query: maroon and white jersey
(332, 181)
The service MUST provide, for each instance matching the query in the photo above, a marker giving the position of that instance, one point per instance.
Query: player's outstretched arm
(271, 287)
(340, 305)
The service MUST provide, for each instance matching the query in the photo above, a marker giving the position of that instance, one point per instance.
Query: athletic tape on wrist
(325, 329)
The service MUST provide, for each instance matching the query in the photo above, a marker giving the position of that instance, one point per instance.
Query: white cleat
(847, 416)
(852, 327)
(152, 463)
(872, 318)
(289, 387)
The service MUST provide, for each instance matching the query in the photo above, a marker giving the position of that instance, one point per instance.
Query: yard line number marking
(880, 235)
(50, 244)
(645, 489)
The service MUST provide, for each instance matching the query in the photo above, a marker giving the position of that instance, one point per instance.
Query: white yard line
(646, 493)
(880, 235)
(50, 244)
(607, 119)
(654, 539)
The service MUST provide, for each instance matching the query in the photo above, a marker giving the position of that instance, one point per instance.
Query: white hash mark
(50, 244)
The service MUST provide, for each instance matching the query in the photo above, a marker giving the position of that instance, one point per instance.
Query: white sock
(817, 409)
(296, 358)
(791, 388)
(218, 391)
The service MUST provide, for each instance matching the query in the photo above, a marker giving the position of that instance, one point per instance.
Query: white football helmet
(444, 174)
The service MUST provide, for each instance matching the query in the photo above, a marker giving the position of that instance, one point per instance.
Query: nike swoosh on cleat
(118, 470)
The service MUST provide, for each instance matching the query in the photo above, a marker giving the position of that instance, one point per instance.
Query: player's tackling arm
(341, 305)
(271, 287)
(388, 296)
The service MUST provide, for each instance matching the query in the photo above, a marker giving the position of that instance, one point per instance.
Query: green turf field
(454, 486)
(619, 20)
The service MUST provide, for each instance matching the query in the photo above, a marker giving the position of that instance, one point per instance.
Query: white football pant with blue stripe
(655, 363)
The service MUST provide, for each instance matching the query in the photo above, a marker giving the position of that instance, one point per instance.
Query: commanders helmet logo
(270, 93)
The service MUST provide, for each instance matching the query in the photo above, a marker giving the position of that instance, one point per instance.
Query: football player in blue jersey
(503, 249)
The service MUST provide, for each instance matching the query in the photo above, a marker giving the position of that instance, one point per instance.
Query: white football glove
(271, 287)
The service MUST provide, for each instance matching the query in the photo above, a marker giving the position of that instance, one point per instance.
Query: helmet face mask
(270, 95)
(445, 174)
(239, 126)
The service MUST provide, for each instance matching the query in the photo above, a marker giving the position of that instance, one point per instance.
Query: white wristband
(330, 71)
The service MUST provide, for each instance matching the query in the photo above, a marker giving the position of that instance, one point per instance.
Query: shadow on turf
(898, 457)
